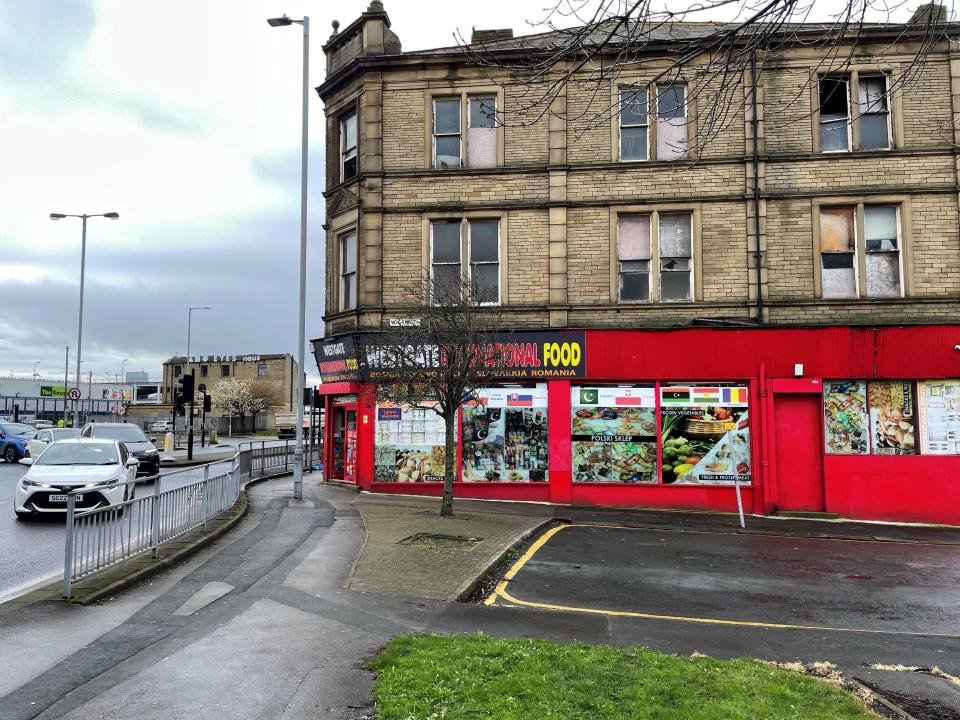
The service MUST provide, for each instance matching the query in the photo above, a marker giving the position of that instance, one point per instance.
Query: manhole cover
(438, 541)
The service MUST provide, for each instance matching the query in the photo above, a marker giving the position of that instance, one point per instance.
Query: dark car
(13, 440)
(132, 438)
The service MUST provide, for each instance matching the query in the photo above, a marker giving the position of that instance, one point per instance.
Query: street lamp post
(301, 336)
(122, 377)
(36, 376)
(83, 260)
(186, 367)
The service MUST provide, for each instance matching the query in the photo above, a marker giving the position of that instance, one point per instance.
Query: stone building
(819, 222)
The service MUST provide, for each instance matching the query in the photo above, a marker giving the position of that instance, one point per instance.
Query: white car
(162, 426)
(44, 437)
(103, 469)
(42, 424)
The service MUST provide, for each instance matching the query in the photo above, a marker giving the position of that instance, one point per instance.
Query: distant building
(136, 377)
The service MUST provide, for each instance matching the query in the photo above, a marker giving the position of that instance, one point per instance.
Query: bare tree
(720, 62)
(436, 357)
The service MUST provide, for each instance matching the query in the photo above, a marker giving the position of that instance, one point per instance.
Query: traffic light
(206, 403)
(186, 386)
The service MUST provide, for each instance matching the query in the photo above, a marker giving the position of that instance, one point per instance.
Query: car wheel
(10, 454)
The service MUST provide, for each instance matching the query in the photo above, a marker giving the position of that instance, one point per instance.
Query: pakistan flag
(589, 396)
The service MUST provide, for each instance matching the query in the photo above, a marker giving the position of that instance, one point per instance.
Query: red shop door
(344, 466)
(799, 460)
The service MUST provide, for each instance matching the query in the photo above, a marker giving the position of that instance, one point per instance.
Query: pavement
(277, 618)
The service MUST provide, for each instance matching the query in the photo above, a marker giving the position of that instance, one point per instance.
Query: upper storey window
(667, 138)
(477, 148)
(854, 112)
(348, 147)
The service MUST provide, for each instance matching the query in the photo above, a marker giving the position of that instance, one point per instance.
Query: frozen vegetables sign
(705, 434)
(613, 434)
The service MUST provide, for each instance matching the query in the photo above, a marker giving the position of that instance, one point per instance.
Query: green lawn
(436, 677)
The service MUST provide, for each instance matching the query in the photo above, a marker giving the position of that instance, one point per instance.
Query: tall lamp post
(122, 377)
(301, 336)
(36, 376)
(83, 260)
(186, 367)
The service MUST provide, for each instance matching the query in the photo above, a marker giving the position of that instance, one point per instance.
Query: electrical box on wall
(798, 370)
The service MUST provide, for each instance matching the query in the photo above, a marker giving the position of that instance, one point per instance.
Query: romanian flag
(706, 394)
(517, 400)
(675, 395)
(734, 395)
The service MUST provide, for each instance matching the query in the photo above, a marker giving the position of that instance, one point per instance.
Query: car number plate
(63, 498)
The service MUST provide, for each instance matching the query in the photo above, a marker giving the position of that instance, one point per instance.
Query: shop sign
(336, 360)
(55, 391)
(388, 414)
(939, 409)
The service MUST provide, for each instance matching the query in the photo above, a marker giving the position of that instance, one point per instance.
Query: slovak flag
(517, 400)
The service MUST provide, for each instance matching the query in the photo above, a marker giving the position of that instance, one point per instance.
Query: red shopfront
(863, 422)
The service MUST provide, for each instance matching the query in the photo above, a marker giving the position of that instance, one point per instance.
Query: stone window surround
(340, 226)
(852, 73)
(335, 116)
(906, 245)
(696, 258)
(626, 81)
(464, 93)
(464, 216)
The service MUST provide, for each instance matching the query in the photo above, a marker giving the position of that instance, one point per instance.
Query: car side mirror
(132, 462)
(26, 461)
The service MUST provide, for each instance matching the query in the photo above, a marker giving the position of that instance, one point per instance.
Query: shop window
(348, 147)
(348, 270)
(861, 417)
(872, 119)
(673, 245)
(841, 251)
(671, 122)
(939, 411)
(410, 444)
(482, 132)
(466, 249)
(446, 133)
(505, 436)
(634, 125)
(705, 434)
(224, 371)
(614, 434)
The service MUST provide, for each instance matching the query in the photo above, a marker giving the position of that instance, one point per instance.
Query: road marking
(501, 591)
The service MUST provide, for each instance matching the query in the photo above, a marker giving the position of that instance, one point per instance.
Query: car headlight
(27, 482)
(102, 483)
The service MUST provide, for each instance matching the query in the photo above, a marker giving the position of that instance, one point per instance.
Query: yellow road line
(501, 591)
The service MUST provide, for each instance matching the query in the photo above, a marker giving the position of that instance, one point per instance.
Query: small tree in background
(264, 394)
(233, 397)
(443, 351)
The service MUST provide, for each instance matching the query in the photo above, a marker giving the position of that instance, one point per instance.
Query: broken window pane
(880, 227)
(834, 115)
(674, 236)
(635, 280)
(838, 278)
(484, 241)
(446, 242)
(836, 229)
(872, 94)
(633, 237)
(883, 274)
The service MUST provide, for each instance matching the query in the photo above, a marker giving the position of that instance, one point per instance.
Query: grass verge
(430, 677)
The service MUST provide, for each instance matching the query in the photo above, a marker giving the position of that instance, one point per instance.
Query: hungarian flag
(589, 396)
(517, 400)
(675, 395)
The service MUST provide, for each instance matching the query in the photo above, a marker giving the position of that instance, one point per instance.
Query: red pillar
(558, 410)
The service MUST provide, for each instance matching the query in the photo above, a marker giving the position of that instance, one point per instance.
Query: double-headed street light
(301, 337)
(83, 260)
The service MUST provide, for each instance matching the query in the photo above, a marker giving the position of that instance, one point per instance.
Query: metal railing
(265, 458)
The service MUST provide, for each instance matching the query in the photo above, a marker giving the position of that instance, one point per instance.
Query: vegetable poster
(705, 434)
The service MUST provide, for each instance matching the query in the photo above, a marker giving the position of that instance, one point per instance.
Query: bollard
(169, 443)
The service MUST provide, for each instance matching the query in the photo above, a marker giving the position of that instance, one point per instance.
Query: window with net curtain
(482, 132)
(673, 280)
(840, 248)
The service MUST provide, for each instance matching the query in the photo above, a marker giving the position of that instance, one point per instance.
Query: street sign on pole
(74, 394)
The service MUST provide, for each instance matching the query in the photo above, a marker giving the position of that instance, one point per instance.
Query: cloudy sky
(184, 117)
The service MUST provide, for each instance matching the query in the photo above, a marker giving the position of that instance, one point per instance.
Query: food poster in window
(505, 435)
(892, 426)
(705, 434)
(614, 434)
(409, 444)
(939, 409)
(845, 422)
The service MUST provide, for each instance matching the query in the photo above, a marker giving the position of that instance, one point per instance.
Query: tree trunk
(449, 468)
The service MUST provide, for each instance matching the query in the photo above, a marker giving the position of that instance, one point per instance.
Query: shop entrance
(344, 443)
(799, 459)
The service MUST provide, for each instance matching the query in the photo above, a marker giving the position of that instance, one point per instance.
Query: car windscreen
(79, 454)
(17, 429)
(65, 433)
(123, 433)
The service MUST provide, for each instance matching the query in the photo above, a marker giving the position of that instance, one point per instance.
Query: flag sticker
(706, 394)
(589, 396)
(734, 395)
(620, 400)
(675, 395)
(518, 400)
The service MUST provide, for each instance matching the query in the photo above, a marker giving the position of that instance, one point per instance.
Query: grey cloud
(42, 36)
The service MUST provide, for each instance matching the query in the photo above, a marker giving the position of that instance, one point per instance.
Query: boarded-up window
(633, 124)
(482, 132)
(838, 252)
(874, 112)
(674, 242)
(633, 255)
(881, 239)
(834, 114)
(446, 133)
(671, 122)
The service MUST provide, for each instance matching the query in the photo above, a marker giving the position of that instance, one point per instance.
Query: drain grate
(439, 541)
